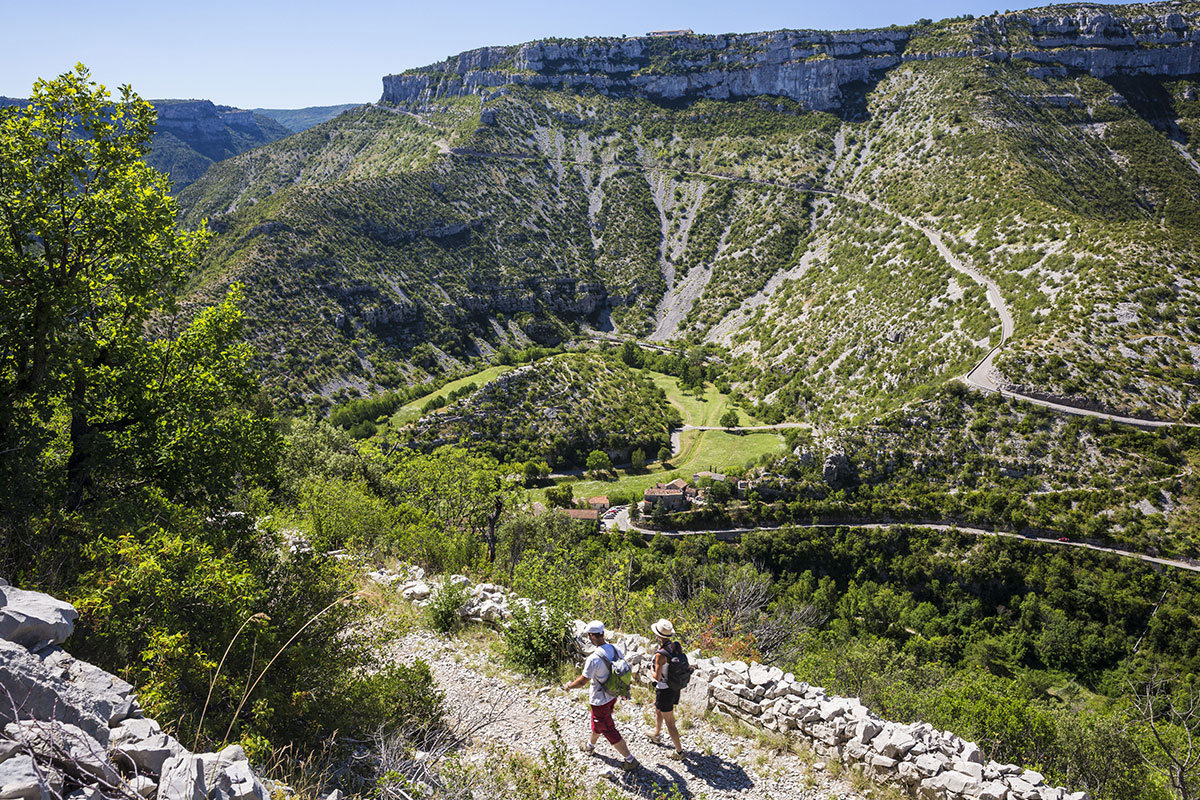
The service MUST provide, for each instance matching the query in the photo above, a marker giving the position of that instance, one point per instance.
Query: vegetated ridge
(1051, 151)
(558, 409)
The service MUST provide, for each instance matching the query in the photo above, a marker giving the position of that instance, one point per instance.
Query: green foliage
(536, 639)
(446, 605)
(562, 495)
(598, 462)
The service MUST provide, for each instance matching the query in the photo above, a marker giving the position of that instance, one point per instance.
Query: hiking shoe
(675, 755)
(654, 737)
(630, 766)
(611, 774)
(587, 748)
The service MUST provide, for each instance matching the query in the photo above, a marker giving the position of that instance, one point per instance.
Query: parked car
(1063, 539)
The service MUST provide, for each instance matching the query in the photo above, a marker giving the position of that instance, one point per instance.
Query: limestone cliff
(815, 67)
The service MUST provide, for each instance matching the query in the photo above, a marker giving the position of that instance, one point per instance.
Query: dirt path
(720, 766)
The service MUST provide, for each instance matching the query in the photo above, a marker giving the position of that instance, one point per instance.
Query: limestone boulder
(34, 619)
(52, 685)
(66, 746)
(139, 745)
(21, 779)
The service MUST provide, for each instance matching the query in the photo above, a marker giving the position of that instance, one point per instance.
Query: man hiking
(596, 669)
(670, 655)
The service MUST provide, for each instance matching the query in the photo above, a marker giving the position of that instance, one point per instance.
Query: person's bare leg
(622, 748)
(669, 718)
(658, 723)
(595, 737)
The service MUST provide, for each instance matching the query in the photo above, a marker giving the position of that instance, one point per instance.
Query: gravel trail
(720, 766)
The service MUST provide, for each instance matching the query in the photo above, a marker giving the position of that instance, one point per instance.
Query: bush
(537, 638)
(445, 607)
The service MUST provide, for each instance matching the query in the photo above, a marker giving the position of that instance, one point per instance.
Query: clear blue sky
(276, 54)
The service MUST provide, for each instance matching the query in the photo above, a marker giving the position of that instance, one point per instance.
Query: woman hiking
(665, 698)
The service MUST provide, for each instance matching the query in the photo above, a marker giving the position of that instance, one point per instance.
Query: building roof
(663, 491)
(716, 476)
(600, 498)
(678, 483)
(586, 514)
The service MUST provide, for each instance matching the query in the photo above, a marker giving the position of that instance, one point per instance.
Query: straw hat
(663, 628)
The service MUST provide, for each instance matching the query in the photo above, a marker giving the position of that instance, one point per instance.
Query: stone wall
(930, 764)
(73, 731)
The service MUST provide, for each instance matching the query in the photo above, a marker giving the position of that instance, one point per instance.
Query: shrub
(445, 607)
(536, 639)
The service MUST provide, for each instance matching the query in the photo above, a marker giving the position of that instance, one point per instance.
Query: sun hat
(663, 628)
(596, 627)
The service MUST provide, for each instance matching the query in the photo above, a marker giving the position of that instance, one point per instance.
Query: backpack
(620, 675)
(679, 671)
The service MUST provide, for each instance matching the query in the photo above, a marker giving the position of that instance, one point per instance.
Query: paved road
(979, 376)
(623, 522)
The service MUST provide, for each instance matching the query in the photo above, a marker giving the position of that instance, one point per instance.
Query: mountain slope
(832, 251)
(194, 134)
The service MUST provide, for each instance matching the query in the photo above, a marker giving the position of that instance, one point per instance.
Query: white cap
(595, 626)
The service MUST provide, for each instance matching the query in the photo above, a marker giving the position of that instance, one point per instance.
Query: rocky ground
(721, 762)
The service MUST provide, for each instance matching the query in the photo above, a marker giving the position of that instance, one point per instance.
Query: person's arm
(660, 664)
(575, 684)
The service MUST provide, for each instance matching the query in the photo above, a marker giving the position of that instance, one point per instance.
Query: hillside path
(719, 766)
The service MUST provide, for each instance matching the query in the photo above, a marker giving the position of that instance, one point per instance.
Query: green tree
(729, 419)
(89, 253)
(637, 461)
(598, 462)
(664, 454)
(561, 496)
(534, 470)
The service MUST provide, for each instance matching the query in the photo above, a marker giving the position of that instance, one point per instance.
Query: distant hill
(299, 119)
(194, 134)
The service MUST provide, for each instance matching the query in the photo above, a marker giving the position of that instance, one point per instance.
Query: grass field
(410, 411)
(711, 450)
(704, 410)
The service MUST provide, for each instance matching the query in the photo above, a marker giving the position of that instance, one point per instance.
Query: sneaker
(612, 775)
(654, 737)
(587, 748)
(630, 765)
(675, 755)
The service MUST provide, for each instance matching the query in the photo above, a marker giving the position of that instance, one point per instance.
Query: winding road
(979, 377)
(624, 523)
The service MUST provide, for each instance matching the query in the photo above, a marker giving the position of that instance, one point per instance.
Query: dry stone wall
(930, 764)
(72, 731)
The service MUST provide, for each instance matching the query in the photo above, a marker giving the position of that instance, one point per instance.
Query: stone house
(599, 503)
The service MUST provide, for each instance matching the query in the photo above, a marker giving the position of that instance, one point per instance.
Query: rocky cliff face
(814, 67)
(193, 134)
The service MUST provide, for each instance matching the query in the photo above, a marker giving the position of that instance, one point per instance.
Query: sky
(297, 53)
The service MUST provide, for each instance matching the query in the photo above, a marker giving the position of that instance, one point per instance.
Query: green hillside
(559, 409)
(299, 119)
(833, 255)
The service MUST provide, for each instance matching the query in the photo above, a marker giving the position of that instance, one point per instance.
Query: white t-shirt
(595, 668)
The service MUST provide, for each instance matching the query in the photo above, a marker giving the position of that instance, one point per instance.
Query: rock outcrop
(70, 729)
(812, 67)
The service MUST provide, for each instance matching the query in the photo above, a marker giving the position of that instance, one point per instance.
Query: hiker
(666, 695)
(596, 669)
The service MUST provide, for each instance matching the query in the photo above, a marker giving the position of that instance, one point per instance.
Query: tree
(561, 496)
(534, 470)
(1170, 716)
(632, 355)
(664, 454)
(598, 462)
(638, 460)
(729, 419)
(89, 256)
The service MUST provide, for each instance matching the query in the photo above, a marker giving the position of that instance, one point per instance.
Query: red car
(1063, 539)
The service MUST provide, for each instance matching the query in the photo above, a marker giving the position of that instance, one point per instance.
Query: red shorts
(602, 721)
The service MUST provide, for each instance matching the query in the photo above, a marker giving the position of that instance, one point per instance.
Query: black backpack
(679, 671)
